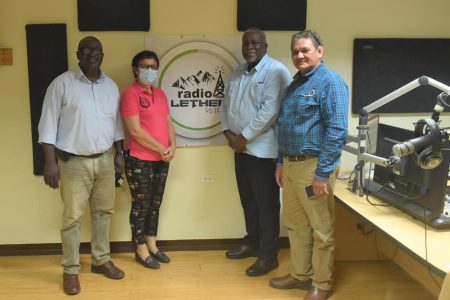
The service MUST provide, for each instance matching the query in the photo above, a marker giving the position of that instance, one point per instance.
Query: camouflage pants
(147, 181)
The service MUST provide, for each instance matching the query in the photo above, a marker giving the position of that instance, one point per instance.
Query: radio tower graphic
(220, 87)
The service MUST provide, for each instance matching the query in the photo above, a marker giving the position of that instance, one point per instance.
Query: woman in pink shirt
(150, 148)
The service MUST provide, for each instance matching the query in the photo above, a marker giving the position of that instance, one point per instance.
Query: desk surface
(406, 231)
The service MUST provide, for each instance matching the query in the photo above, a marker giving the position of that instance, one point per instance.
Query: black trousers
(260, 199)
(147, 181)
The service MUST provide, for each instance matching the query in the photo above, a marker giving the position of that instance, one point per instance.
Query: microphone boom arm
(361, 138)
(424, 80)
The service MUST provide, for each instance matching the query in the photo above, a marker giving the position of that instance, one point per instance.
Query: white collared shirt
(80, 116)
(252, 102)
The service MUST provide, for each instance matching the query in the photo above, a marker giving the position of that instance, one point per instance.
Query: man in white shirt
(79, 124)
(248, 113)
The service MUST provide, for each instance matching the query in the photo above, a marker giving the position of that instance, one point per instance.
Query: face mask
(148, 75)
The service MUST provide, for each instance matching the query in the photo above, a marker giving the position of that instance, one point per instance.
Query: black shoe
(243, 251)
(149, 262)
(262, 267)
(161, 257)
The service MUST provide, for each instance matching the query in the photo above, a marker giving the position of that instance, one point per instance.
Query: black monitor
(417, 192)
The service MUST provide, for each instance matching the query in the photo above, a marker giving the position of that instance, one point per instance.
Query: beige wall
(30, 212)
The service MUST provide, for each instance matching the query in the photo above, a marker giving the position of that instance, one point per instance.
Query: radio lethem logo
(193, 76)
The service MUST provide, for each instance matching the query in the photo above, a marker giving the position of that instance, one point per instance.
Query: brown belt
(299, 157)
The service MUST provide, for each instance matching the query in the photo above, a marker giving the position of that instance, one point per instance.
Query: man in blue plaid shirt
(312, 127)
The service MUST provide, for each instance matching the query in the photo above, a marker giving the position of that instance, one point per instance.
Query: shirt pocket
(308, 105)
(256, 92)
(109, 105)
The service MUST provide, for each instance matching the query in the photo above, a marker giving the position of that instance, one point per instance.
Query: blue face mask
(147, 76)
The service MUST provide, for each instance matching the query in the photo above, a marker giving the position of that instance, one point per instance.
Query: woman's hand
(168, 153)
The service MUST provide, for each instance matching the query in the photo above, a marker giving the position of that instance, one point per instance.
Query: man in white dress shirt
(79, 124)
(248, 113)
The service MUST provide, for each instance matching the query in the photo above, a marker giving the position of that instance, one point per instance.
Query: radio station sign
(193, 76)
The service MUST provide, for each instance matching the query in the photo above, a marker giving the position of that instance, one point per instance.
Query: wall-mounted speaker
(47, 59)
(113, 15)
(271, 14)
(382, 65)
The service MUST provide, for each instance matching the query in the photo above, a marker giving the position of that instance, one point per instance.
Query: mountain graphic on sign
(194, 79)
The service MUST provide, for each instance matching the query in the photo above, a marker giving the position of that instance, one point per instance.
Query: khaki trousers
(82, 181)
(310, 224)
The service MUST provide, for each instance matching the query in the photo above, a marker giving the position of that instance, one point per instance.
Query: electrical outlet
(207, 178)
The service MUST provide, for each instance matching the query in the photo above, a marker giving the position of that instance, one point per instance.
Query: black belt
(299, 157)
(65, 156)
(89, 156)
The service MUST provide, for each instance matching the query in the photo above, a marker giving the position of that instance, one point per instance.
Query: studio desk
(406, 232)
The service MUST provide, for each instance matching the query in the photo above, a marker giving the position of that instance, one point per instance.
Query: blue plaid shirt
(314, 118)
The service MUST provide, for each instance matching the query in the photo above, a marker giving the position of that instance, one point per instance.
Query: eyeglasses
(153, 67)
(89, 50)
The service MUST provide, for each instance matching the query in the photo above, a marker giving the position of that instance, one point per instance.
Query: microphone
(415, 144)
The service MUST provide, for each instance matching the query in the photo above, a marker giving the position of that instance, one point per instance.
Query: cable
(443, 101)
(352, 182)
(367, 190)
(378, 250)
(364, 232)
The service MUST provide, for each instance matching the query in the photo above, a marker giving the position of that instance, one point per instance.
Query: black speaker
(382, 65)
(47, 58)
(271, 14)
(113, 15)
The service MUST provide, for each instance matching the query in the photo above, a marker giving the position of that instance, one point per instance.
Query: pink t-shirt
(152, 110)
